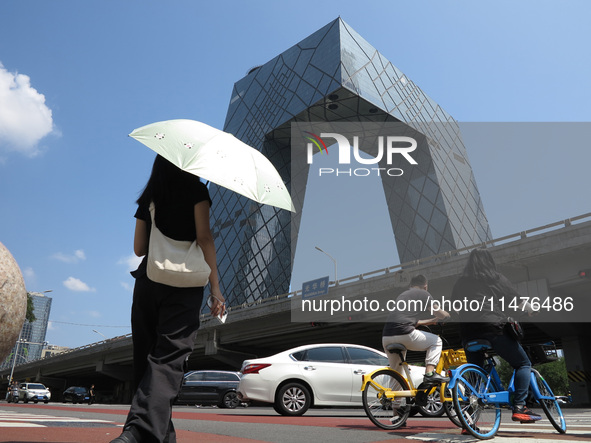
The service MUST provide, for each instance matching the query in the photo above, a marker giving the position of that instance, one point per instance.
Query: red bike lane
(96, 424)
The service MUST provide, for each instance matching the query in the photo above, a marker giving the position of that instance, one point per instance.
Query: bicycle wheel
(384, 412)
(480, 419)
(549, 404)
(449, 409)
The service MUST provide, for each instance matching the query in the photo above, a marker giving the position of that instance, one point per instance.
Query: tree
(553, 372)
(30, 316)
(555, 375)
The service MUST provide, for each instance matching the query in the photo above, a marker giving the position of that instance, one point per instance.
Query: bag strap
(153, 213)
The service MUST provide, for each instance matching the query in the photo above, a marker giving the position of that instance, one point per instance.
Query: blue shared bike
(478, 394)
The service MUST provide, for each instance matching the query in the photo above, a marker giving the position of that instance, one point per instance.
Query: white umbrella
(218, 157)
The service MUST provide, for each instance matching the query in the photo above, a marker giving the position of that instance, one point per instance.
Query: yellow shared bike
(388, 395)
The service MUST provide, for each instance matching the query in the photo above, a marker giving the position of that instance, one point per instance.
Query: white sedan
(312, 375)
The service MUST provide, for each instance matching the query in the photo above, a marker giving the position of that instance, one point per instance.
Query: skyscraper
(33, 334)
(334, 75)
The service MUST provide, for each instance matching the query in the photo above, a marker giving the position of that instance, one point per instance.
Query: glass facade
(33, 334)
(334, 75)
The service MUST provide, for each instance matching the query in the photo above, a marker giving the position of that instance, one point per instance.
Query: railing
(79, 348)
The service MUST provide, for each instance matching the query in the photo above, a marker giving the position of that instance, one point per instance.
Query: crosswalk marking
(19, 425)
(19, 419)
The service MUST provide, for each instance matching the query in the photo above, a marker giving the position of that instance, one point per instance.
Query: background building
(334, 75)
(32, 336)
(50, 350)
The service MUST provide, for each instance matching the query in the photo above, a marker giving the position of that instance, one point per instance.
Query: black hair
(418, 280)
(167, 182)
(481, 266)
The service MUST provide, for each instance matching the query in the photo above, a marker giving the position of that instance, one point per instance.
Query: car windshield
(80, 390)
(36, 386)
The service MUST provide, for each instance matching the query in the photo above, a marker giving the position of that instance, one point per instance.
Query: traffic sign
(314, 288)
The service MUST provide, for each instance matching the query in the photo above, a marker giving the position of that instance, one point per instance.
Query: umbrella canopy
(218, 157)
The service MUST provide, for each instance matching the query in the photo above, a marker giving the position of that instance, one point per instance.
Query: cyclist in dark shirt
(415, 304)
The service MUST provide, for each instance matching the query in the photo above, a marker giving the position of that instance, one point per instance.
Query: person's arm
(439, 314)
(510, 293)
(140, 239)
(205, 241)
(427, 322)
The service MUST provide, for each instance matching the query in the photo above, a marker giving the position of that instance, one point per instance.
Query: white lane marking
(19, 419)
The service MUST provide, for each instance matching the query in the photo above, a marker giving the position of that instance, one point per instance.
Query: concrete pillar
(578, 360)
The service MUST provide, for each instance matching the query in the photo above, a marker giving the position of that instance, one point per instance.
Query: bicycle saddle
(477, 345)
(395, 347)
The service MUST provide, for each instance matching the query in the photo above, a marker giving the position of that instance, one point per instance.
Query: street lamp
(336, 280)
(99, 333)
(15, 356)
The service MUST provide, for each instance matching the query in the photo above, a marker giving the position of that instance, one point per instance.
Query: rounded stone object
(13, 301)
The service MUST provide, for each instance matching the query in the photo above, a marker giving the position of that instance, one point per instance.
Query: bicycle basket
(455, 358)
(542, 353)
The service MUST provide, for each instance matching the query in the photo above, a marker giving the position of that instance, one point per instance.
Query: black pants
(512, 352)
(164, 321)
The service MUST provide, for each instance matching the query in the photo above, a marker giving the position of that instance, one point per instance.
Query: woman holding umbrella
(165, 318)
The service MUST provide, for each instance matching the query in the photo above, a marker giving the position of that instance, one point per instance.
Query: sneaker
(435, 378)
(394, 420)
(523, 414)
(466, 432)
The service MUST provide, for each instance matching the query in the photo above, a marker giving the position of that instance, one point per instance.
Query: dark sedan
(76, 394)
(210, 388)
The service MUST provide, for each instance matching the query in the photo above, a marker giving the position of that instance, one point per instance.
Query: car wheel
(230, 400)
(292, 399)
(434, 406)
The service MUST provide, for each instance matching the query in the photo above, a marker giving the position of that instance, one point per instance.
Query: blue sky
(77, 77)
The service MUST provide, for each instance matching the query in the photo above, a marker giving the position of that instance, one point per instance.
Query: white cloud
(131, 261)
(77, 256)
(94, 314)
(74, 284)
(24, 117)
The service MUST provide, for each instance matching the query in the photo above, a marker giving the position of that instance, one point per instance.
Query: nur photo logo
(388, 146)
(318, 142)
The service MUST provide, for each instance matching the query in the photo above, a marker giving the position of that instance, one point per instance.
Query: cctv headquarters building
(334, 75)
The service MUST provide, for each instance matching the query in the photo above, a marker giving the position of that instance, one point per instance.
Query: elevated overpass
(541, 261)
